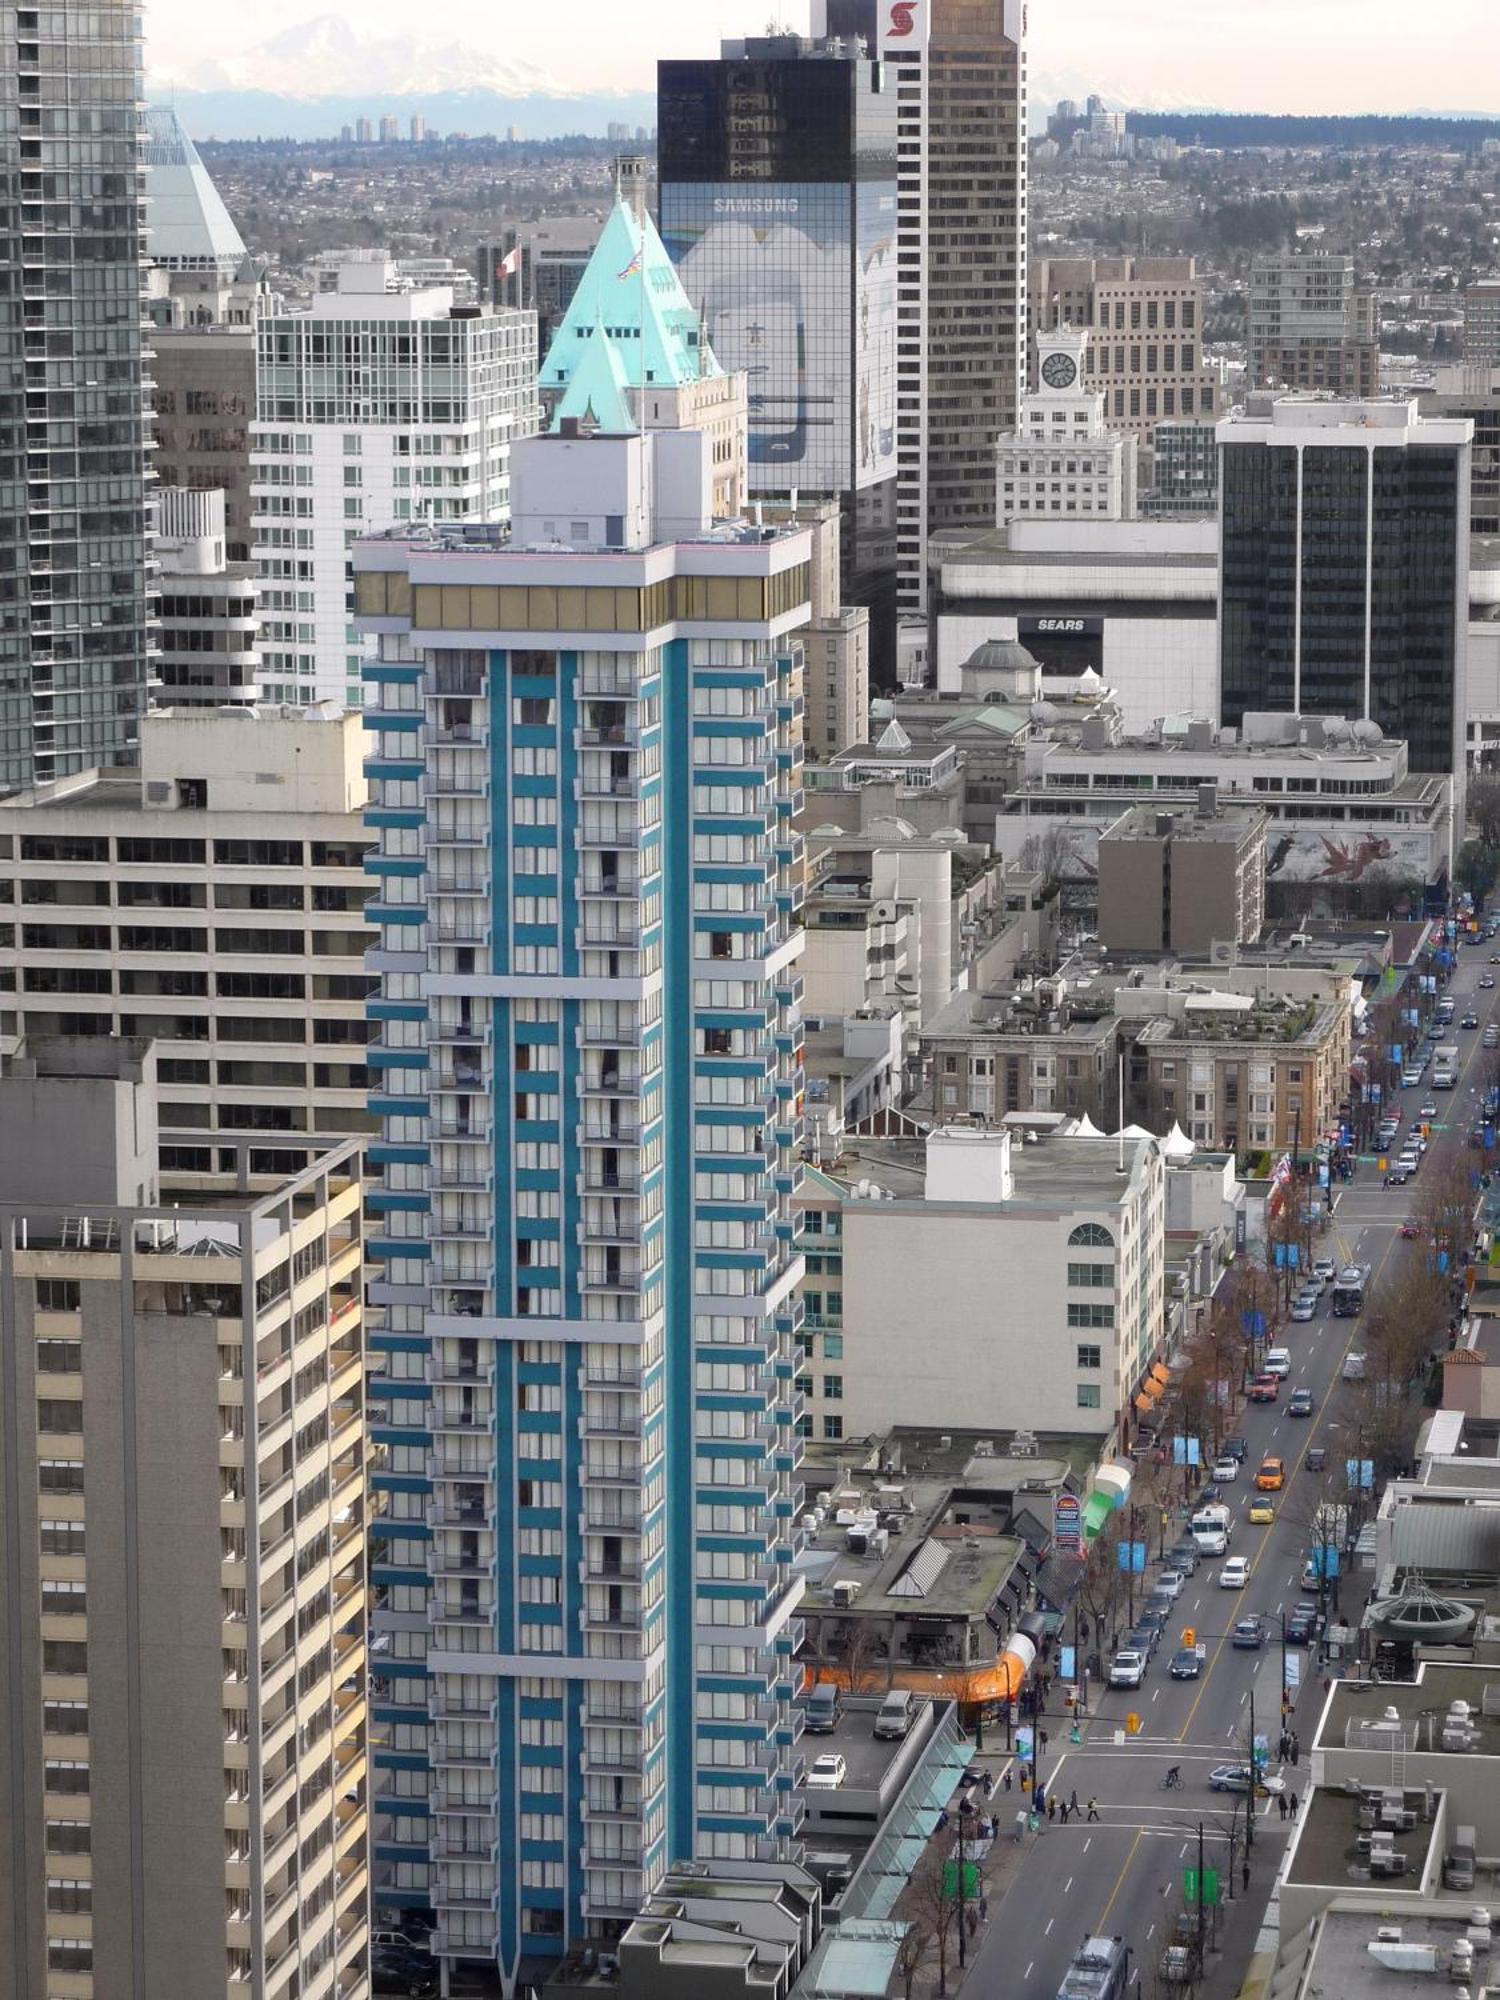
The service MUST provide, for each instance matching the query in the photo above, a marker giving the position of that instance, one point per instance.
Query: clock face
(1059, 371)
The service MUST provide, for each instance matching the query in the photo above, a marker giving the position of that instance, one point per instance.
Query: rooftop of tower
(630, 326)
(188, 226)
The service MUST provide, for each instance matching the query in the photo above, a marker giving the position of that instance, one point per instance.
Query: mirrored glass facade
(1369, 604)
(778, 206)
(74, 605)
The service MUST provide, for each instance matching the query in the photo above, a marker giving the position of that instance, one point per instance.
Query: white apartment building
(182, 1587)
(373, 407)
(1061, 460)
(208, 608)
(994, 1281)
(212, 901)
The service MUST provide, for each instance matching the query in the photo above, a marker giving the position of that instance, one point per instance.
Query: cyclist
(1173, 1777)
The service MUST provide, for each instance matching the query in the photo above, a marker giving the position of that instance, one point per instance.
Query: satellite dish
(1043, 714)
(1368, 732)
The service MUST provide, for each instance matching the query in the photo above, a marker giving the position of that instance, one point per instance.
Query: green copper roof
(630, 292)
(597, 390)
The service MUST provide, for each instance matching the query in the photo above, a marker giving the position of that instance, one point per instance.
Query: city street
(1122, 1875)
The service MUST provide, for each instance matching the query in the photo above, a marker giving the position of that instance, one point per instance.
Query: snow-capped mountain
(329, 57)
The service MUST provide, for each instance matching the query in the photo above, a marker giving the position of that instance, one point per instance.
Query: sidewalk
(996, 1873)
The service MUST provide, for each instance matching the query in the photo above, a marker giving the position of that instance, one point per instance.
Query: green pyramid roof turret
(598, 390)
(632, 294)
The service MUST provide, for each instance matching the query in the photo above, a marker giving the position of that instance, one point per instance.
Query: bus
(1348, 1295)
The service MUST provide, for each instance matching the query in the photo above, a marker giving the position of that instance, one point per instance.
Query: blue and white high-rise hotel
(586, 748)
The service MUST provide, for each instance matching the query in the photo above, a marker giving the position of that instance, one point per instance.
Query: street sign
(1293, 1669)
(1262, 1750)
(950, 1879)
(1191, 1882)
(1066, 1667)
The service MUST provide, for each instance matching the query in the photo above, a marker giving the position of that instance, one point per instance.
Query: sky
(1272, 55)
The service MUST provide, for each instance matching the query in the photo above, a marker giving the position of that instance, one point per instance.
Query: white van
(895, 1717)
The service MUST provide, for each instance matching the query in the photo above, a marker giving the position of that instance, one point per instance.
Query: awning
(1159, 1374)
(1113, 1481)
(1096, 1511)
(1144, 1403)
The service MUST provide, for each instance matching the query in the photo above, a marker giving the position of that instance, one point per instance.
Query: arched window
(1092, 1234)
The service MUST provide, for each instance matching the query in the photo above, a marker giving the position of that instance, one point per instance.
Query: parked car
(1169, 1583)
(1266, 1388)
(1278, 1360)
(826, 1772)
(1325, 1268)
(1183, 1555)
(401, 1968)
(1302, 1624)
(1300, 1403)
(1235, 1447)
(1210, 1493)
(1236, 1778)
(1249, 1635)
(1226, 1470)
(1234, 1573)
(1303, 1310)
(1187, 1664)
(1127, 1669)
(1153, 1618)
(1142, 1639)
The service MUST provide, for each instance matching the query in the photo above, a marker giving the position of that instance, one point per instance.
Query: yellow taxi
(1262, 1513)
(1272, 1475)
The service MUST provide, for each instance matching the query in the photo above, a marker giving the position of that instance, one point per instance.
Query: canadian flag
(509, 264)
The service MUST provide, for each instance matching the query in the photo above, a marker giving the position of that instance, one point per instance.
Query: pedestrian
(1006, 1780)
(1296, 1748)
(1093, 1809)
(1051, 1806)
(1062, 1812)
(1281, 1804)
(1281, 1747)
(1073, 1806)
(1043, 1736)
(1292, 1805)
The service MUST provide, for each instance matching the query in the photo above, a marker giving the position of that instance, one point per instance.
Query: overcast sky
(1274, 55)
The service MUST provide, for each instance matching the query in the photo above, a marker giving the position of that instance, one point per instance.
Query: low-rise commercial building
(1241, 1070)
(1032, 1266)
(183, 1601)
(1349, 826)
(1135, 602)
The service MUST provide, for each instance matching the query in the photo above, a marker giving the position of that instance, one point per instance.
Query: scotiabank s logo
(903, 14)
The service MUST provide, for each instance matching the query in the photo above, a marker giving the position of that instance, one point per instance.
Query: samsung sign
(1060, 628)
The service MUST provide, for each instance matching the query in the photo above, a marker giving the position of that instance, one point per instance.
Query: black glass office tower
(777, 175)
(75, 607)
(1344, 567)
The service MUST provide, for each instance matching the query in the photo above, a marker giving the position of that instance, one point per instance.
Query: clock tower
(1062, 458)
(1060, 355)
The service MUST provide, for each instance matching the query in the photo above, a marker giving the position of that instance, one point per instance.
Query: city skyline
(1087, 46)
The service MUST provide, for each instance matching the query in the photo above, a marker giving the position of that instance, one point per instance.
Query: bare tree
(932, 1898)
(909, 1955)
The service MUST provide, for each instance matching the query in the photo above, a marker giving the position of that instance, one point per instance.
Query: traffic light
(1189, 1636)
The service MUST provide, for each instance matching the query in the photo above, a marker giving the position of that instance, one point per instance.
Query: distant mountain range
(311, 80)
